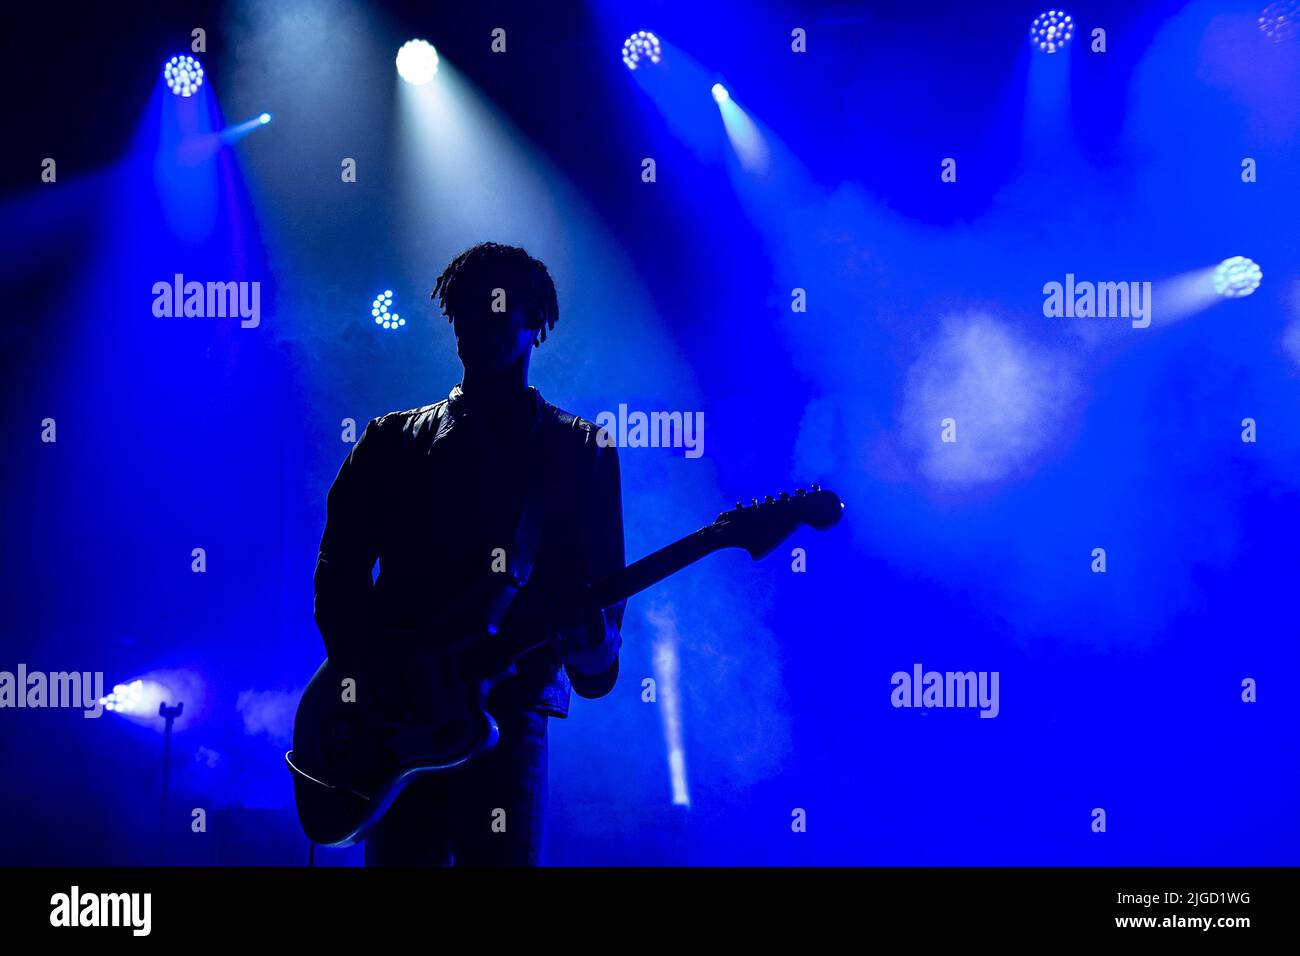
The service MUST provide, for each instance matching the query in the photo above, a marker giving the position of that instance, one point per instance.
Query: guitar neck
(758, 529)
(654, 567)
(620, 586)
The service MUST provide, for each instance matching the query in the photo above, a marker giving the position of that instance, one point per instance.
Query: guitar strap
(522, 554)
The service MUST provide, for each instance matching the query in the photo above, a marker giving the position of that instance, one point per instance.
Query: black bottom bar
(667, 907)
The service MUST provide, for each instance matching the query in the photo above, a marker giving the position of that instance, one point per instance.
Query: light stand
(168, 714)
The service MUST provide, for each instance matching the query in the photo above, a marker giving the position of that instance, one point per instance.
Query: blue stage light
(184, 75)
(417, 62)
(380, 310)
(1051, 31)
(264, 118)
(1281, 20)
(1237, 277)
(720, 94)
(640, 47)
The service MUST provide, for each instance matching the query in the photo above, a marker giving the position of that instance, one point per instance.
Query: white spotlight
(1281, 20)
(184, 75)
(1051, 31)
(381, 310)
(1237, 277)
(417, 62)
(642, 45)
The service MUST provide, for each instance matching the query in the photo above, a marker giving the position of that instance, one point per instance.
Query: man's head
(500, 301)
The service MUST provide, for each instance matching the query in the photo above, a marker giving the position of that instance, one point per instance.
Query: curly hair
(469, 281)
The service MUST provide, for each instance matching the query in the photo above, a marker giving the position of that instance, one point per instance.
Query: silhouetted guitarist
(435, 496)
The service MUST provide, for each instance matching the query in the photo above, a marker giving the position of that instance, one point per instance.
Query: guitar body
(355, 748)
(351, 758)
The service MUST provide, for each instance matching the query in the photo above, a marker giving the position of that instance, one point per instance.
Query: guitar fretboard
(654, 567)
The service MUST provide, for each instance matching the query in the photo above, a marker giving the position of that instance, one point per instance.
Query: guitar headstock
(762, 525)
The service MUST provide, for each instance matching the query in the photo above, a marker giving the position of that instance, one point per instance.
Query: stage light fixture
(264, 118)
(720, 94)
(1281, 20)
(184, 75)
(125, 697)
(380, 309)
(138, 698)
(1051, 31)
(640, 47)
(1237, 277)
(417, 62)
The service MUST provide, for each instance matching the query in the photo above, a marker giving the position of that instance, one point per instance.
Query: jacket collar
(525, 405)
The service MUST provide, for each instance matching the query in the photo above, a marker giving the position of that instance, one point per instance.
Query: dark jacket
(430, 494)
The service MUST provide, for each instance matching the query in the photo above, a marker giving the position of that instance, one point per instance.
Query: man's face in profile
(492, 341)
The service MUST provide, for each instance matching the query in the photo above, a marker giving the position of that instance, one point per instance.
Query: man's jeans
(486, 813)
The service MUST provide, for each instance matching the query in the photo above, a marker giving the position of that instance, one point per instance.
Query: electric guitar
(351, 759)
